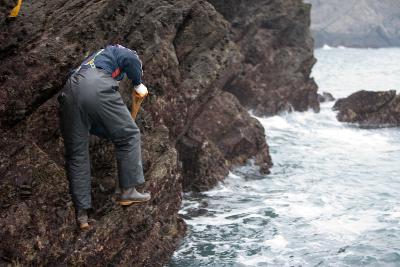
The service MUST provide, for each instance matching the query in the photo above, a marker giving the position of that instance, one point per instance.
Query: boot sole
(84, 226)
(130, 202)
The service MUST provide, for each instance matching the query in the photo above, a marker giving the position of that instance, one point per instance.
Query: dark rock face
(276, 55)
(222, 135)
(5, 7)
(370, 109)
(38, 226)
(193, 131)
(356, 23)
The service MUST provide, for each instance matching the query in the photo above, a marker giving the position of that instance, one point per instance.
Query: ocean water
(333, 197)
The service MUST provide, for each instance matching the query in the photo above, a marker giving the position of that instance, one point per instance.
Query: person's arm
(130, 63)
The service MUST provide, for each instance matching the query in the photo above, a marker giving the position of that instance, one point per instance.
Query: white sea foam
(277, 243)
(347, 227)
(332, 198)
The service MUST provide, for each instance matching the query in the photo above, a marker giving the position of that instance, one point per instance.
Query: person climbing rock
(91, 104)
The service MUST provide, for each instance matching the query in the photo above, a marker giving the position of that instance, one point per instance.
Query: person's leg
(129, 158)
(123, 132)
(129, 161)
(75, 131)
(114, 117)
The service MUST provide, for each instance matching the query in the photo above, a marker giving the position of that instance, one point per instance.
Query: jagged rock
(370, 109)
(325, 97)
(222, 135)
(5, 7)
(41, 229)
(190, 53)
(276, 55)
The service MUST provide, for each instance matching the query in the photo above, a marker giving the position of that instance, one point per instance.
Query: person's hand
(141, 91)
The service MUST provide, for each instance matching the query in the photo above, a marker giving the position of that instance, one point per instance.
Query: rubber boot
(82, 219)
(130, 196)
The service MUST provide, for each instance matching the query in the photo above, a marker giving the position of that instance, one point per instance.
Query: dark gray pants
(89, 100)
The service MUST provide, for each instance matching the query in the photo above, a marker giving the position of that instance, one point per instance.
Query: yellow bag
(14, 12)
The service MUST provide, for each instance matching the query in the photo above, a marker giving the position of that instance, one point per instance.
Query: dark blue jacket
(118, 61)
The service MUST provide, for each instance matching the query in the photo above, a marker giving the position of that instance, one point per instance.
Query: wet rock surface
(276, 55)
(370, 109)
(194, 124)
(212, 145)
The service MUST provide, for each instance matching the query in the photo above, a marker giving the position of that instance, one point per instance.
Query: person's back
(118, 61)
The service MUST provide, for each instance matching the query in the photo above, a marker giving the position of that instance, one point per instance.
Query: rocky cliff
(370, 109)
(276, 51)
(356, 23)
(205, 63)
